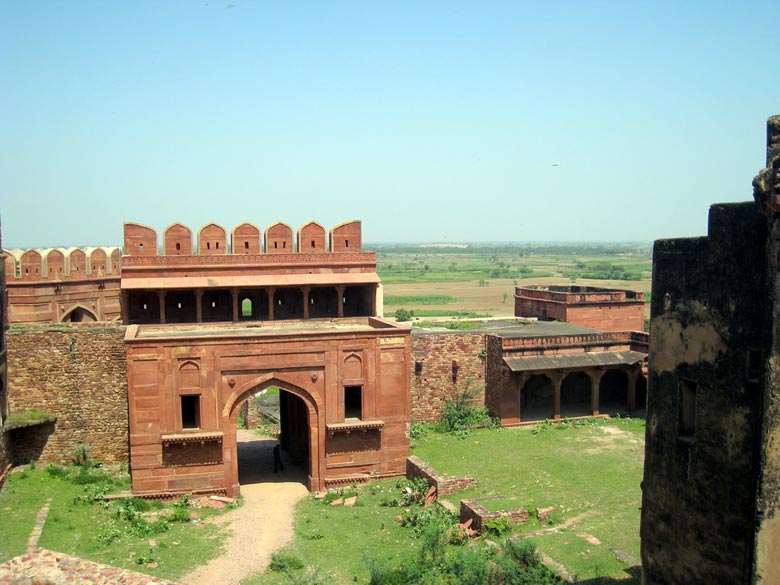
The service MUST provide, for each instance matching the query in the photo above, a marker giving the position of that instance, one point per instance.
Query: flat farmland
(481, 280)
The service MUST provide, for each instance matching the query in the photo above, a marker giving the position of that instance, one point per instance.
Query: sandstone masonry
(78, 374)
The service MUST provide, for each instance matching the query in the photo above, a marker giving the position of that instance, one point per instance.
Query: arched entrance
(576, 395)
(613, 392)
(299, 437)
(79, 314)
(641, 395)
(537, 398)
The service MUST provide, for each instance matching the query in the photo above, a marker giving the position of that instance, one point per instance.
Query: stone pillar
(271, 295)
(199, 305)
(234, 295)
(595, 379)
(520, 380)
(633, 375)
(124, 299)
(557, 380)
(306, 292)
(161, 297)
(373, 301)
(340, 292)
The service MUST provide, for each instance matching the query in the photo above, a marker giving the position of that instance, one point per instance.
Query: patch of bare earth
(264, 524)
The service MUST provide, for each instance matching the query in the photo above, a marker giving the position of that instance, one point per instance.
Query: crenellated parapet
(62, 264)
(245, 239)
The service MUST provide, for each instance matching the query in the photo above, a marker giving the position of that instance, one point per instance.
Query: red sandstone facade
(599, 308)
(63, 285)
(536, 378)
(214, 329)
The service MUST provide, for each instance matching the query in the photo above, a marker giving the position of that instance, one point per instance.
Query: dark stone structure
(3, 368)
(711, 489)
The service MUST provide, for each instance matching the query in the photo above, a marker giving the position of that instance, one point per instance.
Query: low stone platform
(45, 567)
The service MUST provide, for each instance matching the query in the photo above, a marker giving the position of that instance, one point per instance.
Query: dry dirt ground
(490, 298)
(263, 524)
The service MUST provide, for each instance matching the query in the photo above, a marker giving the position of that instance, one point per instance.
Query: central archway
(300, 428)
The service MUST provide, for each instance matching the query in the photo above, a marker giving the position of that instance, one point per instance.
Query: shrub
(459, 414)
(496, 527)
(285, 562)
(403, 315)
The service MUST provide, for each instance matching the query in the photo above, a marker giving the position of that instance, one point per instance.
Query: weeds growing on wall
(459, 415)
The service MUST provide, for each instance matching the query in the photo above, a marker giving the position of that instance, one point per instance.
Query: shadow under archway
(256, 452)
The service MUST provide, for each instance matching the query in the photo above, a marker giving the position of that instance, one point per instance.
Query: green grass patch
(419, 300)
(117, 533)
(589, 471)
(28, 418)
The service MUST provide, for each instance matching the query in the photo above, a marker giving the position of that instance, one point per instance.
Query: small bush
(403, 315)
(285, 562)
(496, 527)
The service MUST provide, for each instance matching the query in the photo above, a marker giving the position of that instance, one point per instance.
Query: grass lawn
(100, 531)
(589, 472)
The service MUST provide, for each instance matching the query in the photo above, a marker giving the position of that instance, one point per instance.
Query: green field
(590, 472)
(116, 533)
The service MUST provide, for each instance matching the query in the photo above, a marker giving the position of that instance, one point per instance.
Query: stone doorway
(254, 460)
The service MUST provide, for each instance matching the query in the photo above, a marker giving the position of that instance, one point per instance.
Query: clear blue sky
(430, 121)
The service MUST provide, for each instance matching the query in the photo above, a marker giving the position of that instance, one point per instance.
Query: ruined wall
(443, 364)
(766, 192)
(704, 402)
(502, 394)
(78, 374)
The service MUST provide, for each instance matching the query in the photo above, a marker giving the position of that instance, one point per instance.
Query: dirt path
(263, 524)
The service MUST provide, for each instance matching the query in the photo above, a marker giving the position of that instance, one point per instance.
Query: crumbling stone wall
(704, 402)
(77, 373)
(445, 484)
(442, 365)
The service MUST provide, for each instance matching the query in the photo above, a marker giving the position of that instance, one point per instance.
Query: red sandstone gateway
(214, 328)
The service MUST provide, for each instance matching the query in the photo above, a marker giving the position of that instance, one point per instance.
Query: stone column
(124, 299)
(633, 374)
(373, 301)
(557, 380)
(271, 295)
(161, 297)
(199, 305)
(306, 292)
(340, 292)
(595, 379)
(234, 295)
(520, 380)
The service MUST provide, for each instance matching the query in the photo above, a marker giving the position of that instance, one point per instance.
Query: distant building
(604, 309)
(711, 489)
(58, 285)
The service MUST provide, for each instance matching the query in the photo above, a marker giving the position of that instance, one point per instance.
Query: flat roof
(512, 328)
(573, 360)
(263, 328)
(247, 281)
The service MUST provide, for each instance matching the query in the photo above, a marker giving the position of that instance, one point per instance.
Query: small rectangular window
(353, 402)
(190, 411)
(686, 426)
(246, 245)
(418, 368)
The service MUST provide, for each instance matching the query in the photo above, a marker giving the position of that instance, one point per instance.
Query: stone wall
(479, 515)
(77, 373)
(704, 402)
(445, 484)
(443, 364)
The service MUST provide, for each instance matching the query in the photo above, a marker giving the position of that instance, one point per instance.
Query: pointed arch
(312, 238)
(230, 418)
(78, 314)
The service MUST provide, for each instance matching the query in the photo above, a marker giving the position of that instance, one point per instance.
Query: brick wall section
(478, 514)
(498, 395)
(445, 484)
(77, 373)
(435, 352)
